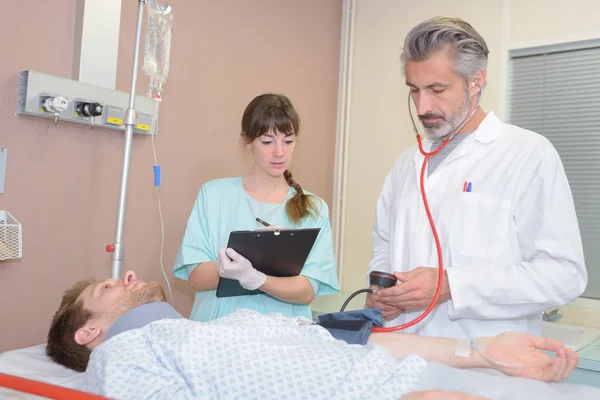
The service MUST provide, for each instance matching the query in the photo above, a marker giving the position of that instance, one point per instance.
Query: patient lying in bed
(142, 348)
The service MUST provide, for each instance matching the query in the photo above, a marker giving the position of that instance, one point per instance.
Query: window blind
(555, 91)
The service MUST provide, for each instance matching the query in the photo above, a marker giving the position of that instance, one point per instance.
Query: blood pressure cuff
(353, 327)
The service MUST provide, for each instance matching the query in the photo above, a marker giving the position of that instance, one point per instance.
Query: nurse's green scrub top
(223, 206)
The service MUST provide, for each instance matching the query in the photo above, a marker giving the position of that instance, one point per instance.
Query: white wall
(380, 127)
(99, 48)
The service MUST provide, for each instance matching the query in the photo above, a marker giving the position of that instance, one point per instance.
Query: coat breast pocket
(480, 225)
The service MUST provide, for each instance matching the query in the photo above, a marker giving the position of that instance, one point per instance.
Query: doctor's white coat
(511, 246)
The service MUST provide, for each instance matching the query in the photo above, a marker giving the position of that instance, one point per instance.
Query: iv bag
(158, 42)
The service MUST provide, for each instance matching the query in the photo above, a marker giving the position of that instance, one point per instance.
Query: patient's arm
(511, 349)
(440, 395)
(431, 349)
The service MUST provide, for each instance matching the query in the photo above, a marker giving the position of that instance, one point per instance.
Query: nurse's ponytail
(300, 205)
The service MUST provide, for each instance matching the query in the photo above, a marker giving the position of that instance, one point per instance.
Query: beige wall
(536, 22)
(380, 127)
(62, 180)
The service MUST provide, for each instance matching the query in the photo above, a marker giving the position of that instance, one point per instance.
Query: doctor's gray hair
(467, 45)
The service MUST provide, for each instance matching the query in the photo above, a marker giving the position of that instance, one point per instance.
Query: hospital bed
(33, 363)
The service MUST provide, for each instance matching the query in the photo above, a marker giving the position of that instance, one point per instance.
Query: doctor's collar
(489, 129)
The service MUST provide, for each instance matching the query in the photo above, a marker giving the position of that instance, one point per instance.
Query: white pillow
(33, 363)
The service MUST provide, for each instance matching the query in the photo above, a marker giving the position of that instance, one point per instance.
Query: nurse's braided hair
(468, 47)
(275, 112)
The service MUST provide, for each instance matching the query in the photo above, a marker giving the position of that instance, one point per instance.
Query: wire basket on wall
(11, 237)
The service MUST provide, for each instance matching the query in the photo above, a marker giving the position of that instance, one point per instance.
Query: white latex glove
(232, 265)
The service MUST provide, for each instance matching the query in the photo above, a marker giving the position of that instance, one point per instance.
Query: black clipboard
(280, 253)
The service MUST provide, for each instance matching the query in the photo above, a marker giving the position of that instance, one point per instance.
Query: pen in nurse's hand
(260, 221)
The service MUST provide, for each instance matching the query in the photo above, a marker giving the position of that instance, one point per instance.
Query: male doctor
(498, 195)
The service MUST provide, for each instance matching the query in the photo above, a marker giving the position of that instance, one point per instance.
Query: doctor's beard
(449, 124)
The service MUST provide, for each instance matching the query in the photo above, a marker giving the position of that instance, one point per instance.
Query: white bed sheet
(33, 363)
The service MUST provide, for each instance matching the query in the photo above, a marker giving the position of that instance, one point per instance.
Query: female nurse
(270, 126)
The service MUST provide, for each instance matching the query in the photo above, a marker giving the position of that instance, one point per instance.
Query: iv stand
(117, 249)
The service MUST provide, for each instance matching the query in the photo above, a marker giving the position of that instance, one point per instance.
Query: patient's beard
(151, 292)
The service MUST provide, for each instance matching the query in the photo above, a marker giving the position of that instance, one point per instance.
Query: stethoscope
(383, 280)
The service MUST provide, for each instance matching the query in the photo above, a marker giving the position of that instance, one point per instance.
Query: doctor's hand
(388, 312)
(518, 354)
(415, 290)
(232, 265)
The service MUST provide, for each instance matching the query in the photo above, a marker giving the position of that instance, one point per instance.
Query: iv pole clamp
(117, 249)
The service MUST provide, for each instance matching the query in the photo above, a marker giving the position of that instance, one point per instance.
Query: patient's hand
(440, 395)
(518, 354)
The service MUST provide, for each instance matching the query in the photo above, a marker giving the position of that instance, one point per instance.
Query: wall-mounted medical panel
(66, 100)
